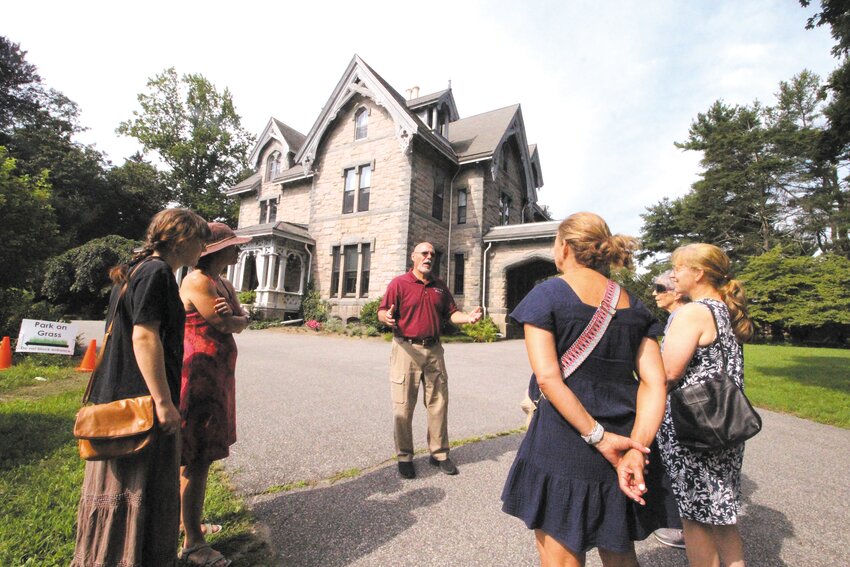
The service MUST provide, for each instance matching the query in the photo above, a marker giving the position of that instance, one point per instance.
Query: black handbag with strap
(714, 414)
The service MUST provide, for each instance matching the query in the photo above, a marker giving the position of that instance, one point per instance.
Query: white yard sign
(47, 336)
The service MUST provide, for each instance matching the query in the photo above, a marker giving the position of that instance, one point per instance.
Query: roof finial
(450, 84)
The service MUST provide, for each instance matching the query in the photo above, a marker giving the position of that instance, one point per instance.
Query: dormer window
(361, 124)
(273, 167)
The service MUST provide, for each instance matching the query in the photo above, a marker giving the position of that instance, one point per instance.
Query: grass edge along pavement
(41, 472)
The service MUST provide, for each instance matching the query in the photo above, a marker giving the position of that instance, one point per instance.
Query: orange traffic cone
(87, 365)
(5, 353)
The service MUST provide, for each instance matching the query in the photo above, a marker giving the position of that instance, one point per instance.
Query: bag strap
(592, 333)
(724, 374)
(108, 332)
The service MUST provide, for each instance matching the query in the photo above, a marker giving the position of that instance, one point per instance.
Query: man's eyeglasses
(426, 253)
(661, 288)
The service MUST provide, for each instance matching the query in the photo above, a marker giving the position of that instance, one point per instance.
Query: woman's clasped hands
(628, 457)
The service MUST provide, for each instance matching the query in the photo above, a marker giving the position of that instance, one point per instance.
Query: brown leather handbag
(115, 429)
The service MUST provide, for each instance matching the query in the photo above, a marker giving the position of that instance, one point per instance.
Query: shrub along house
(343, 206)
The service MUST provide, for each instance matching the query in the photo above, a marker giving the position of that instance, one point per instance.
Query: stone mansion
(344, 205)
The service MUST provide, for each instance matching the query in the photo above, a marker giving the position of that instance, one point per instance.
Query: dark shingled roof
(245, 186)
(478, 136)
(294, 138)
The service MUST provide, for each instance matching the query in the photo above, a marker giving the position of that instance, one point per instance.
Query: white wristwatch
(595, 436)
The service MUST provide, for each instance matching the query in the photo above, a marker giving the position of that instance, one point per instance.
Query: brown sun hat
(222, 237)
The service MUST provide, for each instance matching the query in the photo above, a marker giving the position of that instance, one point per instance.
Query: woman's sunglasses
(661, 289)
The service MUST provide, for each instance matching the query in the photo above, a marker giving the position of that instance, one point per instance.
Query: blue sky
(605, 87)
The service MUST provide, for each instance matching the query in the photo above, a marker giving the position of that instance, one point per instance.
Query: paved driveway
(311, 407)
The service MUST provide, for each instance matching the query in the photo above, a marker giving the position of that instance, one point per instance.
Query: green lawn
(41, 472)
(812, 383)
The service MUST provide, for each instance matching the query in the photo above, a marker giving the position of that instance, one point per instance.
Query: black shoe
(670, 537)
(406, 470)
(446, 466)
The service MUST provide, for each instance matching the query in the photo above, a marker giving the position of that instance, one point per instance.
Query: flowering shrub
(313, 324)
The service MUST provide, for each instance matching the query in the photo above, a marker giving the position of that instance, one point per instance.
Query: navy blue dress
(560, 484)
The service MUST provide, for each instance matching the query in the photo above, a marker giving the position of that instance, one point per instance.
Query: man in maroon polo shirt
(415, 306)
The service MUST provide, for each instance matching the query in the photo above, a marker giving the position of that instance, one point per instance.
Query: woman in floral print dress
(704, 334)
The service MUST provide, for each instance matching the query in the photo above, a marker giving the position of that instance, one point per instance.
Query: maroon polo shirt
(420, 307)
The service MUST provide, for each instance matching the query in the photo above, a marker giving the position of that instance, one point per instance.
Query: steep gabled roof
(482, 136)
(360, 79)
(290, 138)
(294, 138)
(441, 97)
(478, 136)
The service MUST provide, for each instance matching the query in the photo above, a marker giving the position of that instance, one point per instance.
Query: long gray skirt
(129, 513)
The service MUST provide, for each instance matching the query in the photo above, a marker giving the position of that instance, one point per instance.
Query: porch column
(261, 270)
(281, 278)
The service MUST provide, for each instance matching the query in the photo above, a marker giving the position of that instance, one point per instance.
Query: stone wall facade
(408, 168)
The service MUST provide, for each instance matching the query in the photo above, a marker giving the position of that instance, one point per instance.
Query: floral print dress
(707, 484)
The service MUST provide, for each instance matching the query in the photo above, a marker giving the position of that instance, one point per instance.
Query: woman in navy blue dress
(581, 478)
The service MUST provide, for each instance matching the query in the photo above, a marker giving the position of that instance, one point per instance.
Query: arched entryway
(521, 278)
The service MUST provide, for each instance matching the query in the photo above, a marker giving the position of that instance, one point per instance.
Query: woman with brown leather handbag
(129, 506)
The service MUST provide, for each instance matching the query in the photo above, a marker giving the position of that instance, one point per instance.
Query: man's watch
(595, 436)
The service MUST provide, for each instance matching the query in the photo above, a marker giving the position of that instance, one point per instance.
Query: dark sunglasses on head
(661, 289)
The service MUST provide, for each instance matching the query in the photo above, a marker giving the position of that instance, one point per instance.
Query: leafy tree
(134, 192)
(806, 297)
(29, 231)
(78, 279)
(196, 132)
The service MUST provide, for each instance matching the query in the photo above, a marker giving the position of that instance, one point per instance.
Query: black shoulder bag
(714, 414)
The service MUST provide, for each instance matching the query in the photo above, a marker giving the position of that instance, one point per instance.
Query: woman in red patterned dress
(208, 387)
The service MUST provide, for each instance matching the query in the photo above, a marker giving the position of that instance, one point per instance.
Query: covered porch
(276, 266)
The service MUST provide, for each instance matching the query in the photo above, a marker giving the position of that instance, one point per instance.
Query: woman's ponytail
(736, 301)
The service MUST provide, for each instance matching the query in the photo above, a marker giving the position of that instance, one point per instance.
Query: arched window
(361, 123)
(273, 166)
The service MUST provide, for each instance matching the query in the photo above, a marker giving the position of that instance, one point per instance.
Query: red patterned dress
(207, 389)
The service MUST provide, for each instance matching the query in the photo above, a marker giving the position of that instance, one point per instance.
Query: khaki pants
(410, 364)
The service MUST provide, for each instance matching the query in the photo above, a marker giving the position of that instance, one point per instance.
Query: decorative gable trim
(360, 79)
(270, 132)
(516, 128)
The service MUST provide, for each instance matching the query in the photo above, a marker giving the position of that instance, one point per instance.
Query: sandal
(212, 560)
(209, 529)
